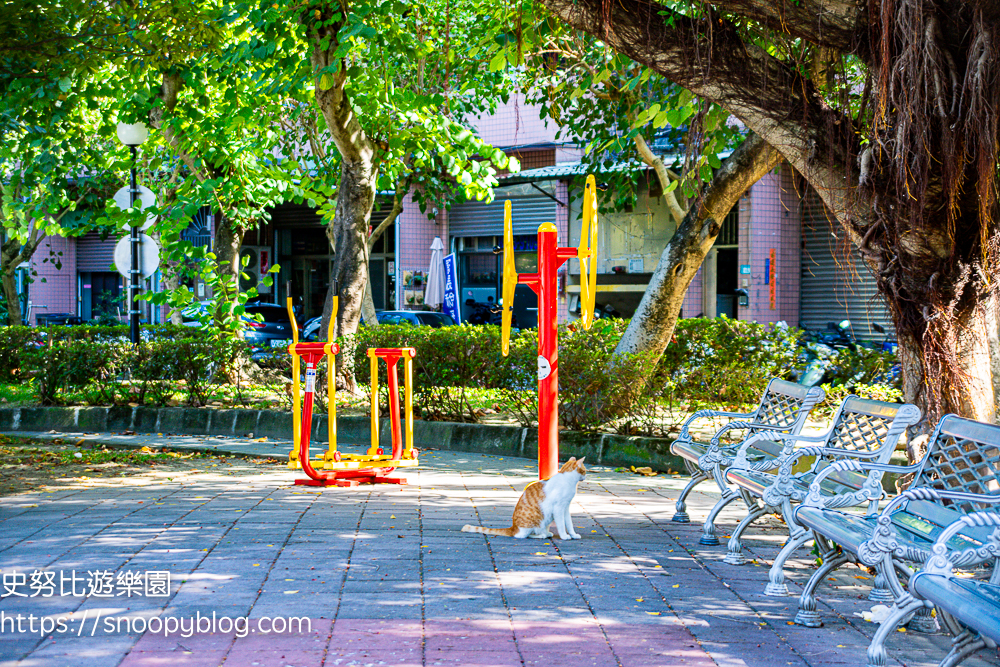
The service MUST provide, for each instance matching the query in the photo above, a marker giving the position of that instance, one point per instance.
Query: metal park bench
(784, 407)
(969, 608)
(959, 475)
(862, 430)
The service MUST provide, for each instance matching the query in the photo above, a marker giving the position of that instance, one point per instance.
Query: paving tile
(637, 591)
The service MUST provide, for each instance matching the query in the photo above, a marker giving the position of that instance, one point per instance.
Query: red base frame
(354, 478)
(350, 482)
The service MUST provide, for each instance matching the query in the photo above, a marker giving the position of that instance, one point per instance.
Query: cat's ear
(582, 459)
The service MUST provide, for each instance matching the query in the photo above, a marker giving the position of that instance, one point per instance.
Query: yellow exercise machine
(337, 468)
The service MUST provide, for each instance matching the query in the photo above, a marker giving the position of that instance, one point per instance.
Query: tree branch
(662, 175)
(712, 60)
(654, 320)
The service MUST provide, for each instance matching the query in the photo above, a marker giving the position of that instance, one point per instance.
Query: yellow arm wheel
(587, 253)
(509, 279)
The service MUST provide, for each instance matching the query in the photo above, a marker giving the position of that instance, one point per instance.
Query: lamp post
(132, 136)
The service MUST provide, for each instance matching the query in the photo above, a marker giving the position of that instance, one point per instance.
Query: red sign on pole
(772, 280)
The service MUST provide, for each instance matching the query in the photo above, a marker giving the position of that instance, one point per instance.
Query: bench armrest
(740, 461)
(714, 453)
(815, 497)
(706, 414)
(943, 559)
(883, 540)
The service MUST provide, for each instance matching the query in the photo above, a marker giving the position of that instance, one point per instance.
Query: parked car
(58, 319)
(415, 318)
(274, 328)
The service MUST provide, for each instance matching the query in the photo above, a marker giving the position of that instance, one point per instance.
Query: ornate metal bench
(862, 430)
(784, 407)
(962, 457)
(969, 608)
(959, 475)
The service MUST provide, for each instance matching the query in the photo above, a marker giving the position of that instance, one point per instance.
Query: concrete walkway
(383, 576)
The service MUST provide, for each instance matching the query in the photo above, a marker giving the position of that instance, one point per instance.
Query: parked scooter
(820, 349)
(486, 313)
(889, 344)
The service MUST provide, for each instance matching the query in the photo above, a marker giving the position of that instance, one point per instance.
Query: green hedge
(101, 362)
(459, 371)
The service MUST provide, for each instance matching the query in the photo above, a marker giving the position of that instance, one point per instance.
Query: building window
(730, 234)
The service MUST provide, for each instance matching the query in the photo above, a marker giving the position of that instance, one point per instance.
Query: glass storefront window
(478, 269)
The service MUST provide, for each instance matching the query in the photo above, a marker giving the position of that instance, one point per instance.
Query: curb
(600, 448)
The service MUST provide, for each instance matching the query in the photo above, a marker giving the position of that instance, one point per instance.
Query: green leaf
(498, 62)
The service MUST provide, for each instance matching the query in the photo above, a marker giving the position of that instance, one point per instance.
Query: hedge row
(710, 362)
(101, 362)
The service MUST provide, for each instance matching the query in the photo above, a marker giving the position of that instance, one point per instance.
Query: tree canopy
(882, 108)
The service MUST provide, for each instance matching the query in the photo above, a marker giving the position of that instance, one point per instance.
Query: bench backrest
(786, 404)
(962, 455)
(864, 425)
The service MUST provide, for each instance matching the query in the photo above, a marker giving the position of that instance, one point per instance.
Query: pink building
(777, 244)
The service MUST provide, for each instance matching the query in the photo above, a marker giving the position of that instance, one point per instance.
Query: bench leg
(881, 592)
(962, 647)
(708, 537)
(681, 515)
(776, 577)
(807, 615)
(905, 606)
(923, 621)
(734, 553)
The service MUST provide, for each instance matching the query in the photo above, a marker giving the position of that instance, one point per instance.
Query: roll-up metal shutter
(479, 219)
(93, 254)
(836, 283)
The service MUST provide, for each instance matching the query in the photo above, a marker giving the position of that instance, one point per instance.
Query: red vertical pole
(307, 409)
(548, 353)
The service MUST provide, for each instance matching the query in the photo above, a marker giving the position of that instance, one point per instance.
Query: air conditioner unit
(258, 264)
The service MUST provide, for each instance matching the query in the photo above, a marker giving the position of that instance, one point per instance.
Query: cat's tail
(508, 532)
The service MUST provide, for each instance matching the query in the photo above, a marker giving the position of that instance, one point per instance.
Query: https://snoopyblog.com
(120, 586)
(92, 624)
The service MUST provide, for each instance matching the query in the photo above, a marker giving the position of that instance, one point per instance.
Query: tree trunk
(356, 193)
(12, 255)
(970, 391)
(652, 325)
(368, 314)
(368, 304)
(348, 234)
(227, 252)
(662, 176)
(14, 315)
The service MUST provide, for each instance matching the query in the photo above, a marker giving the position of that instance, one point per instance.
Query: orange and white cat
(542, 503)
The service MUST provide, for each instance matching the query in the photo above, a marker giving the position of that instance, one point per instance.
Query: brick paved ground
(384, 577)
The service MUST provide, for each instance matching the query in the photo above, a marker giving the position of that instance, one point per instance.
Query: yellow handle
(587, 253)
(509, 279)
